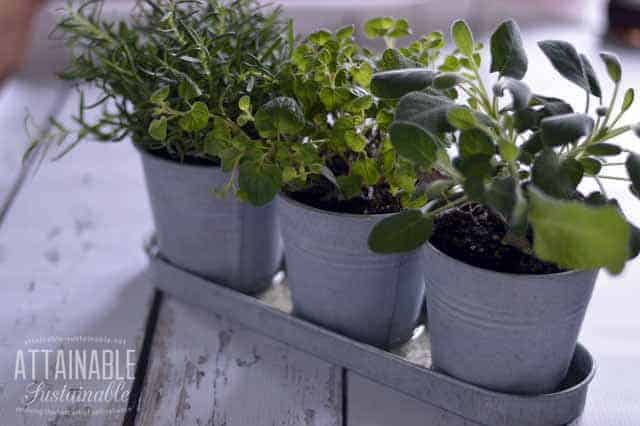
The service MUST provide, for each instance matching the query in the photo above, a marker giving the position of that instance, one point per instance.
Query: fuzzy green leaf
(604, 150)
(577, 236)
(413, 143)
(462, 37)
(403, 232)
(397, 83)
(629, 97)
(555, 177)
(565, 129)
(476, 142)
(633, 169)
(591, 166)
(508, 56)
(426, 111)
(461, 118)
(592, 78)
(520, 92)
(447, 80)
(614, 69)
(566, 61)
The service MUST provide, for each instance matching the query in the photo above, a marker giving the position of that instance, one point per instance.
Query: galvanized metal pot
(222, 239)
(505, 332)
(336, 281)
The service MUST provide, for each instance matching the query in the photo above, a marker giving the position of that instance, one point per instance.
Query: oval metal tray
(406, 369)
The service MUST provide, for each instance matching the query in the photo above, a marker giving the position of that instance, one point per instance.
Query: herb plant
(177, 78)
(524, 159)
(328, 133)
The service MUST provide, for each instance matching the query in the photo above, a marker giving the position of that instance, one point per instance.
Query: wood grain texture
(372, 404)
(206, 370)
(72, 264)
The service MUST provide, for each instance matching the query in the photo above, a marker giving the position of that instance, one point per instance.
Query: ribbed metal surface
(338, 282)
(222, 239)
(506, 332)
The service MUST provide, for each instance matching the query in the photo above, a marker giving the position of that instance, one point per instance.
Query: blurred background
(26, 22)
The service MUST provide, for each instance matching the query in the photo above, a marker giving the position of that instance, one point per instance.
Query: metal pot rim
(286, 198)
(149, 154)
(477, 269)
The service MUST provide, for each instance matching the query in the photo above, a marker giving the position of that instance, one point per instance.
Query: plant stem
(614, 178)
(448, 206)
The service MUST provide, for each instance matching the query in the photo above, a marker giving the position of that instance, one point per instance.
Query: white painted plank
(206, 370)
(72, 264)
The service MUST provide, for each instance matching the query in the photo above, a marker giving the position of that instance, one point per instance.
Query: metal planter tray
(406, 369)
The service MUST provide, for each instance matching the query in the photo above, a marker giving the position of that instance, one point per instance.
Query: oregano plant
(520, 154)
(328, 134)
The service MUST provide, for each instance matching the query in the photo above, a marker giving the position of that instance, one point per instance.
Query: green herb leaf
(400, 29)
(320, 37)
(633, 169)
(404, 232)
(362, 74)
(187, 89)
(604, 150)
(447, 80)
(413, 143)
(160, 95)
(574, 235)
(502, 196)
(463, 38)
(591, 166)
(392, 59)
(474, 142)
(345, 33)
(592, 78)
(355, 141)
(520, 92)
(158, 129)
(260, 183)
(565, 129)
(281, 116)
(245, 104)
(426, 111)
(397, 83)
(566, 61)
(614, 69)
(378, 27)
(367, 170)
(555, 177)
(350, 186)
(196, 119)
(508, 56)
(629, 97)
(461, 118)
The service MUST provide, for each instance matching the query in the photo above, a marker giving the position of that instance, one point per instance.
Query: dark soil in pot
(473, 234)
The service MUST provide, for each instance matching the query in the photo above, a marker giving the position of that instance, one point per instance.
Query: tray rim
(491, 408)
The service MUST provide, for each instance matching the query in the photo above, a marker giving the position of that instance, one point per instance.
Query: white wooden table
(72, 264)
